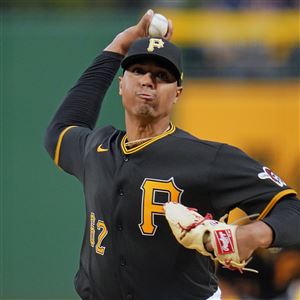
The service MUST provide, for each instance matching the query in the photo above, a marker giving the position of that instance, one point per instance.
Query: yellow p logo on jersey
(155, 43)
(150, 207)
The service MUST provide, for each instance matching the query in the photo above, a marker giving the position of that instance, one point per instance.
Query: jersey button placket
(129, 297)
(125, 158)
(122, 262)
(119, 225)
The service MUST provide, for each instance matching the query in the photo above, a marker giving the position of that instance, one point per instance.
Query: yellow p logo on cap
(155, 43)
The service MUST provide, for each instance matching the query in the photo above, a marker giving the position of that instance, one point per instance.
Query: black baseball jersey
(128, 248)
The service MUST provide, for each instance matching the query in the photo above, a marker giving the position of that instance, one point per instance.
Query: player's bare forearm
(252, 236)
(273, 230)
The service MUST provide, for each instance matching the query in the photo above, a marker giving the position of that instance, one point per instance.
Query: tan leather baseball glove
(193, 231)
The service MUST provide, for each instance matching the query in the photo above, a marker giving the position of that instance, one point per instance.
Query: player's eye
(137, 70)
(162, 76)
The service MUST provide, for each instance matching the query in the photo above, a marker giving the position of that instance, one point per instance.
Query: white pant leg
(216, 295)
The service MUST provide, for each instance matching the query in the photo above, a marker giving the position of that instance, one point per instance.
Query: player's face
(148, 90)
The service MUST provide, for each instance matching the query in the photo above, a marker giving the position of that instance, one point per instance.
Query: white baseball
(158, 26)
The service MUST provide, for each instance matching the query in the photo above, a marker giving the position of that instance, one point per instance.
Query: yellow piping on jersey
(139, 147)
(58, 145)
(275, 199)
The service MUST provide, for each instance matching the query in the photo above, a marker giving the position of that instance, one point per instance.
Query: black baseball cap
(158, 49)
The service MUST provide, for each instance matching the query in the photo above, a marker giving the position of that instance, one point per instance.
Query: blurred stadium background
(241, 69)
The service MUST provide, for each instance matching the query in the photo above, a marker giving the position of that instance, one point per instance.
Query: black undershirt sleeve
(82, 104)
(284, 219)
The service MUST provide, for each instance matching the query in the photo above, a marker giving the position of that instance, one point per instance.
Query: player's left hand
(209, 237)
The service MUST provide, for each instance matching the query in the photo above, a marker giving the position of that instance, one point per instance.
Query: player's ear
(178, 93)
(120, 85)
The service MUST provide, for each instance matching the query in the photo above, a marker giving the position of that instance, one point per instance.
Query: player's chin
(145, 110)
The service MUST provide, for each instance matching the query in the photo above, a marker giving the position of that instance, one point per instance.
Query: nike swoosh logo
(100, 149)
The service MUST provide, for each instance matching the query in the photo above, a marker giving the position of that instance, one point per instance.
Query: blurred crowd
(230, 61)
(234, 4)
(133, 4)
(231, 4)
(240, 62)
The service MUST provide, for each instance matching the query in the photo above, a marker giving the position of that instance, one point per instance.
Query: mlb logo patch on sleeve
(269, 174)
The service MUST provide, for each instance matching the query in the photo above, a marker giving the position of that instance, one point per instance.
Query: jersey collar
(145, 144)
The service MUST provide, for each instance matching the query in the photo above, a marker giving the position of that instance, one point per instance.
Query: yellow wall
(262, 118)
(213, 27)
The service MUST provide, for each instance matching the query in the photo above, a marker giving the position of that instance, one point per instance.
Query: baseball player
(129, 250)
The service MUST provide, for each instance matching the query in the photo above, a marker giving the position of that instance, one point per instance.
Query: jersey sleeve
(286, 233)
(240, 181)
(76, 117)
(70, 149)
